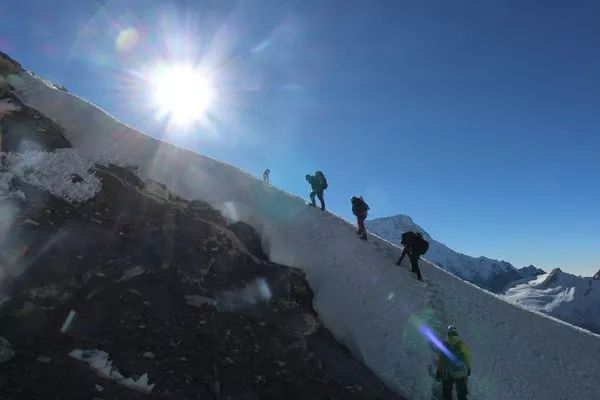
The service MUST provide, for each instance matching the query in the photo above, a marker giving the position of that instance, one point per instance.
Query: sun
(183, 93)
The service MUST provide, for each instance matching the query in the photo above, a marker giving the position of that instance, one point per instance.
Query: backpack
(359, 206)
(408, 238)
(456, 367)
(420, 244)
(321, 179)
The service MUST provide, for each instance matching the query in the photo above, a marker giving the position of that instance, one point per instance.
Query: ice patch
(54, 172)
(132, 273)
(100, 363)
(6, 350)
(68, 321)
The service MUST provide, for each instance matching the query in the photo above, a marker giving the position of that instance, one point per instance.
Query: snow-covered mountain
(571, 298)
(485, 272)
(531, 270)
(384, 316)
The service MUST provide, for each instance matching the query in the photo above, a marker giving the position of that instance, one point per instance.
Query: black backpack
(415, 241)
(359, 205)
(420, 245)
(321, 179)
(408, 238)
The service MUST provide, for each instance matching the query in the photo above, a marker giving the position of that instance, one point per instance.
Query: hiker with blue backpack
(318, 184)
(454, 366)
(415, 246)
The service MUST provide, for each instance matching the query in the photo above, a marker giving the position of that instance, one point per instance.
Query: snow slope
(373, 306)
(482, 271)
(571, 298)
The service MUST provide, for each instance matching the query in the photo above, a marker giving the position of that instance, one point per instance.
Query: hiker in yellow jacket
(454, 366)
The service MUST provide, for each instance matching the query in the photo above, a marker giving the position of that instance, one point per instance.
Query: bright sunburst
(183, 93)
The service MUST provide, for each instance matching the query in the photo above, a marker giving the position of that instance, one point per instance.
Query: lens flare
(428, 333)
(127, 39)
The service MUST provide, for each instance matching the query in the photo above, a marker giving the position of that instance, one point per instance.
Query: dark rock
(248, 235)
(551, 278)
(531, 271)
(76, 178)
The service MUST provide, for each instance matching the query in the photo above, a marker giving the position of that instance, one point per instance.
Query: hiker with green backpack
(415, 246)
(454, 366)
(318, 184)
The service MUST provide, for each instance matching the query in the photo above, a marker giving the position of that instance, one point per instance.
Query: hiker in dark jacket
(318, 184)
(454, 367)
(361, 210)
(415, 246)
(266, 175)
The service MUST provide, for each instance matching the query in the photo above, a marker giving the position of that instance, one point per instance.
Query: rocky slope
(487, 273)
(98, 265)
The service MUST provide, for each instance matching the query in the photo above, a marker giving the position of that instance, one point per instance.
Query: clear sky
(480, 119)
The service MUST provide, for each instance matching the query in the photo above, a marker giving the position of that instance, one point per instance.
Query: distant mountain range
(574, 299)
(531, 271)
(490, 274)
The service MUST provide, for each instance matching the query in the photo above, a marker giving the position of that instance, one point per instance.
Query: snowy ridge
(367, 302)
(565, 296)
(482, 271)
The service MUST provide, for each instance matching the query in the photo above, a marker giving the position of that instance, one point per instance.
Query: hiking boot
(364, 237)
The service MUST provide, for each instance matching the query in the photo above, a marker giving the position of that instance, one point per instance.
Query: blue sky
(477, 118)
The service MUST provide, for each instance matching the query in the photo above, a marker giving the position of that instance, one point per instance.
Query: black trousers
(461, 388)
(319, 194)
(414, 266)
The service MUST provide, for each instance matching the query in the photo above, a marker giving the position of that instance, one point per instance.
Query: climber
(318, 184)
(361, 210)
(415, 246)
(266, 175)
(454, 366)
